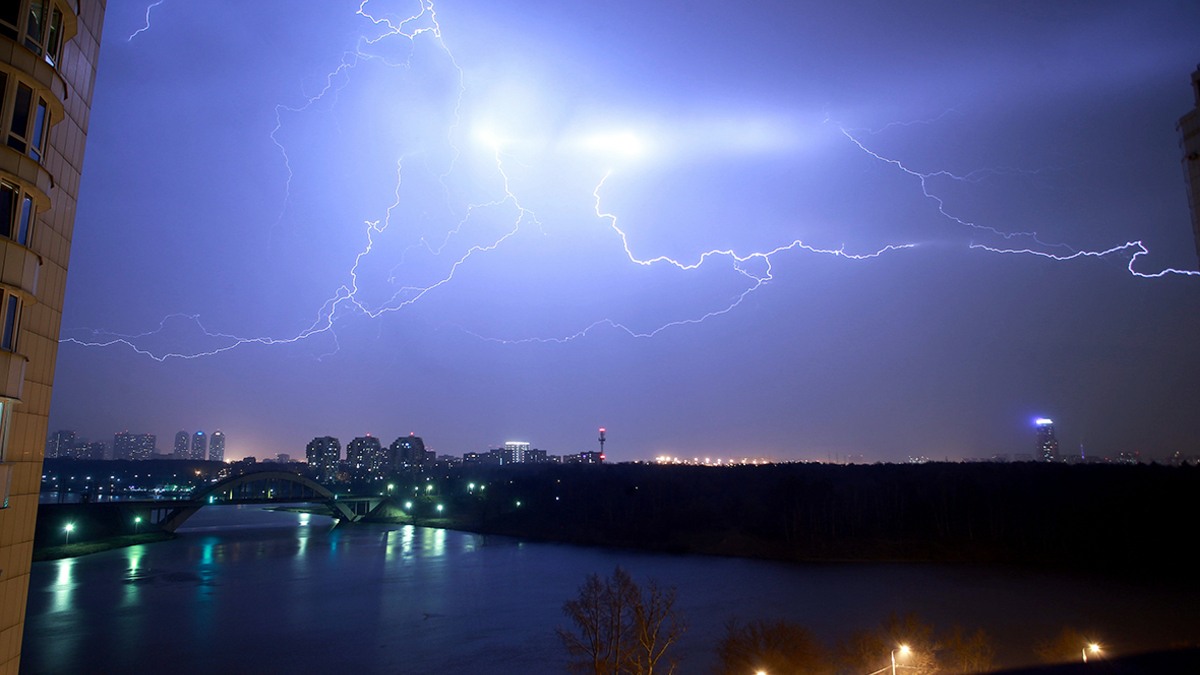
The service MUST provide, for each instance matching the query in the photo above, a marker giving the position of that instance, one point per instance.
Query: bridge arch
(299, 488)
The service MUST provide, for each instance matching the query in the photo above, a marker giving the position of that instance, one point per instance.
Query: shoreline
(83, 548)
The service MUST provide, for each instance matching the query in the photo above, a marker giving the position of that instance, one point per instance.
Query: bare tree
(621, 629)
(1068, 645)
(772, 647)
(870, 651)
(970, 654)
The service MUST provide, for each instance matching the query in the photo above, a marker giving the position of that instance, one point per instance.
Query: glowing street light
(1093, 648)
(408, 506)
(69, 527)
(137, 523)
(439, 508)
(903, 650)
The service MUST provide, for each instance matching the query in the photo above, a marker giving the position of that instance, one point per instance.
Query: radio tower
(602, 441)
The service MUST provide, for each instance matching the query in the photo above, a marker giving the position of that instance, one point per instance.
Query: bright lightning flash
(614, 145)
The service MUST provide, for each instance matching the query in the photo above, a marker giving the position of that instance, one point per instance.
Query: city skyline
(939, 129)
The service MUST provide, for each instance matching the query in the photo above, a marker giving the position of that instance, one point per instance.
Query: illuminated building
(133, 446)
(323, 455)
(48, 51)
(182, 442)
(144, 446)
(216, 447)
(366, 455)
(406, 452)
(199, 446)
(514, 452)
(60, 444)
(124, 445)
(520, 453)
(1189, 143)
(1047, 445)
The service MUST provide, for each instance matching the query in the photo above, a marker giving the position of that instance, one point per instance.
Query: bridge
(259, 487)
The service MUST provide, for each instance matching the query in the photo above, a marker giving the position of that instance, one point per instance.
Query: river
(244, 590)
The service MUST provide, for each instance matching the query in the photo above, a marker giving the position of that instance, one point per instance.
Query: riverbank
(88, 547)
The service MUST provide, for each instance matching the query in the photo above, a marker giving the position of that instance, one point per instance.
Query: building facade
(406, 452)
(366, 456)
(182, 443)
(48, 54)
(199, 446)
(60, 444)
(323, 455)
(124, 445)
(1047, 444)
(1189, 143)
(216, 447)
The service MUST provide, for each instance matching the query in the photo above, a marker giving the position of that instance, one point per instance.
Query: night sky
(239, 151)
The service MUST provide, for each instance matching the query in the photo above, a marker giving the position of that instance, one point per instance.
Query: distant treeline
(1099, 516)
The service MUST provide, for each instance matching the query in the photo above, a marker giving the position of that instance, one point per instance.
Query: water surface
(248, 590)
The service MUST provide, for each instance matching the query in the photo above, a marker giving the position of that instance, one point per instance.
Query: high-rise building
(48, 52)
(94, 450)
(323, 454)
(1189, 143)
(406, 453)
(1047, 445)
(216, 447)
(519, 452)
(366, 454)
(199, 446)
(60, 444)
(123, 445)
(182, 443)
(144, 446)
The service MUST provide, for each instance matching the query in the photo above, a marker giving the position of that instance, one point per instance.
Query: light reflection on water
(285, 592)
(63, 585)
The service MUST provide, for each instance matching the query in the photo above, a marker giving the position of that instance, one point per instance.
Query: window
(19, 124)
(43, 27)
(28, 118)
(36, 26)
(10, 13)
(16, 213)
(12, 311)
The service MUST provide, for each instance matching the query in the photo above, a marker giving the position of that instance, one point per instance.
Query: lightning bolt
(1139, 249)
(145, 28)
(346, 300)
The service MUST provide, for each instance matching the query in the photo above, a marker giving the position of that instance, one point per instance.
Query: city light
(903, 649)
(68, 529)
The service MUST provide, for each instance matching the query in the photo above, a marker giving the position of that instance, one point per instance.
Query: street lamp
(137, 522)
(1093, 648)
(439, 508)
(67, 529)
(903, 650)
